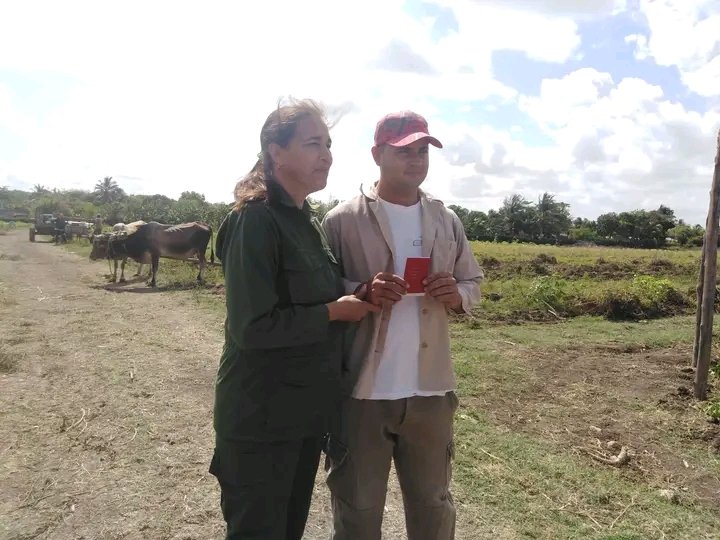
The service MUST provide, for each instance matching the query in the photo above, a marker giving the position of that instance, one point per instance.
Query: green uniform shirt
(280, 367)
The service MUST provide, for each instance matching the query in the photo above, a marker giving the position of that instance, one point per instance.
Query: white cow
(127, 227)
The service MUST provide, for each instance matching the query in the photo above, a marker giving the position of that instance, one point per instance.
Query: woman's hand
(350, 308)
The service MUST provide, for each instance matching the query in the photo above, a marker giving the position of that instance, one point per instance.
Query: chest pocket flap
(444, 253)
(310, 279)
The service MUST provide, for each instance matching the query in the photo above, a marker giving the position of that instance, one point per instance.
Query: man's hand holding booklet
(417, 270)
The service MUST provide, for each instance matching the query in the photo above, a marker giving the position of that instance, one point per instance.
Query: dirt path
(106, 407)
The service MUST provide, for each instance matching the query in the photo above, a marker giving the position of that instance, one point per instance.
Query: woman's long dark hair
(279, 128)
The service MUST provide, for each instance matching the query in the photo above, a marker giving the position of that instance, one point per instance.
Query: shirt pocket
(302, 371)
(444, 253)
(310, 280)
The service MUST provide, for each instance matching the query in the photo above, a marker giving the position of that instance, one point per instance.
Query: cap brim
(413, 137)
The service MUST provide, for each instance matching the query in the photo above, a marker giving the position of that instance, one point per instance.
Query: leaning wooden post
(709, 284)
(699, 295)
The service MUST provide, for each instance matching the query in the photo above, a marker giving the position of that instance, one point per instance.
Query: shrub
(712, 409)
(549, 291)
(658, 292)
(621, 304)
(543, 258)
(644, 297)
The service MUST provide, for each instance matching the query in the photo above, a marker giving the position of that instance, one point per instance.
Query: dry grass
(9, 257)
(8, 360)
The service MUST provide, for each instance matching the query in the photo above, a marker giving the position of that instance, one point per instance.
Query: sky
(611, 106)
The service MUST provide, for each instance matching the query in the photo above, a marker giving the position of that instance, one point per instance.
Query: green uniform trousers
(266, 487)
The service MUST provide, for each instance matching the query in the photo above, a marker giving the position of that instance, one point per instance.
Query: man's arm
(331, 226)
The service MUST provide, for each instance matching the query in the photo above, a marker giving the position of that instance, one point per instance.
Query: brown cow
(154, 240)
(100, 243)
(128, 228)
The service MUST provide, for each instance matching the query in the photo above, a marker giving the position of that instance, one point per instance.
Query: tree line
(111, 202)
(549, 221)
(545, 221)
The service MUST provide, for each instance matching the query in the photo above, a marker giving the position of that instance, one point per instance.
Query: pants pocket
(335, 453)
(454, 401)
(450, 459)
(248, 468)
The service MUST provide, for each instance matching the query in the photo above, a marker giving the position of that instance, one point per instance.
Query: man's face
(404, 165)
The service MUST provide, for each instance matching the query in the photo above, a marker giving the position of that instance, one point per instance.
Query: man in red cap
(398, 378)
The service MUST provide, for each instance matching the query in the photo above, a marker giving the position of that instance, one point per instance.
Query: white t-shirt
(397, 375)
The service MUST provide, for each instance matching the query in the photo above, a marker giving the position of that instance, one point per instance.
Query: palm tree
(553, 217)
(39, 189)
(107, 191)
(516, 212)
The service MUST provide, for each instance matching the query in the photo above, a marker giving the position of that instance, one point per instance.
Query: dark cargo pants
(266, 488)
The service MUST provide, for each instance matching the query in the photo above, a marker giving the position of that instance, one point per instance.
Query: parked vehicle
(44, 224)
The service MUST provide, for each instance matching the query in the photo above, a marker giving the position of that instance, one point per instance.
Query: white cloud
(560, 98)
(563, 8)
(174, 95)
(400, 57)
(22, 124)
(705, 80)
(489, 26)
(615, 146)
(686, 34)
(641, 45)
(170, 96)
(572, 8)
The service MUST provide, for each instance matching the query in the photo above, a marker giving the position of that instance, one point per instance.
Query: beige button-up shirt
(359, 233)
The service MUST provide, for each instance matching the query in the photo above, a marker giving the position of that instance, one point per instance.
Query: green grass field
(545, 386)
(536, 398)
(7, 226)
(532, 282)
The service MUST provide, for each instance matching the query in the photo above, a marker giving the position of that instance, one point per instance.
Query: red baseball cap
(403, 128)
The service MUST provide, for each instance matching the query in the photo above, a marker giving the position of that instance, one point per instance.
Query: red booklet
(416, 270)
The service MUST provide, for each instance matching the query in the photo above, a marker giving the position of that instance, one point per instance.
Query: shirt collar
(285, 199)
(372, 194)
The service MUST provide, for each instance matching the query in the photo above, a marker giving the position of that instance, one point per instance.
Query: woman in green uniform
(278, 380)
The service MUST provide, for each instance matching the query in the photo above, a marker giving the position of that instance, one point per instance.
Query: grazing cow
(78, 229)
(128, 228)
(100, 245)
(154, 240)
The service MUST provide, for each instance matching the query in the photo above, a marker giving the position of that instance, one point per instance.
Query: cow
(128, 228)
(100, 244)
(79, 229)
(154, 240)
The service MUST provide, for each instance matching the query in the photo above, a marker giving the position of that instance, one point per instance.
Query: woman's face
(306, 160)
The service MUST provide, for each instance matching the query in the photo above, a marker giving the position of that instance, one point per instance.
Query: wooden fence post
(699, 297)
(709, 284)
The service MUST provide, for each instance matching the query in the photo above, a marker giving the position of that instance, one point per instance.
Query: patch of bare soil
(106, 406)
(597, 402)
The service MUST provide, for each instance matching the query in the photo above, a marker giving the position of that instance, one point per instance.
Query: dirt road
(106, 406)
